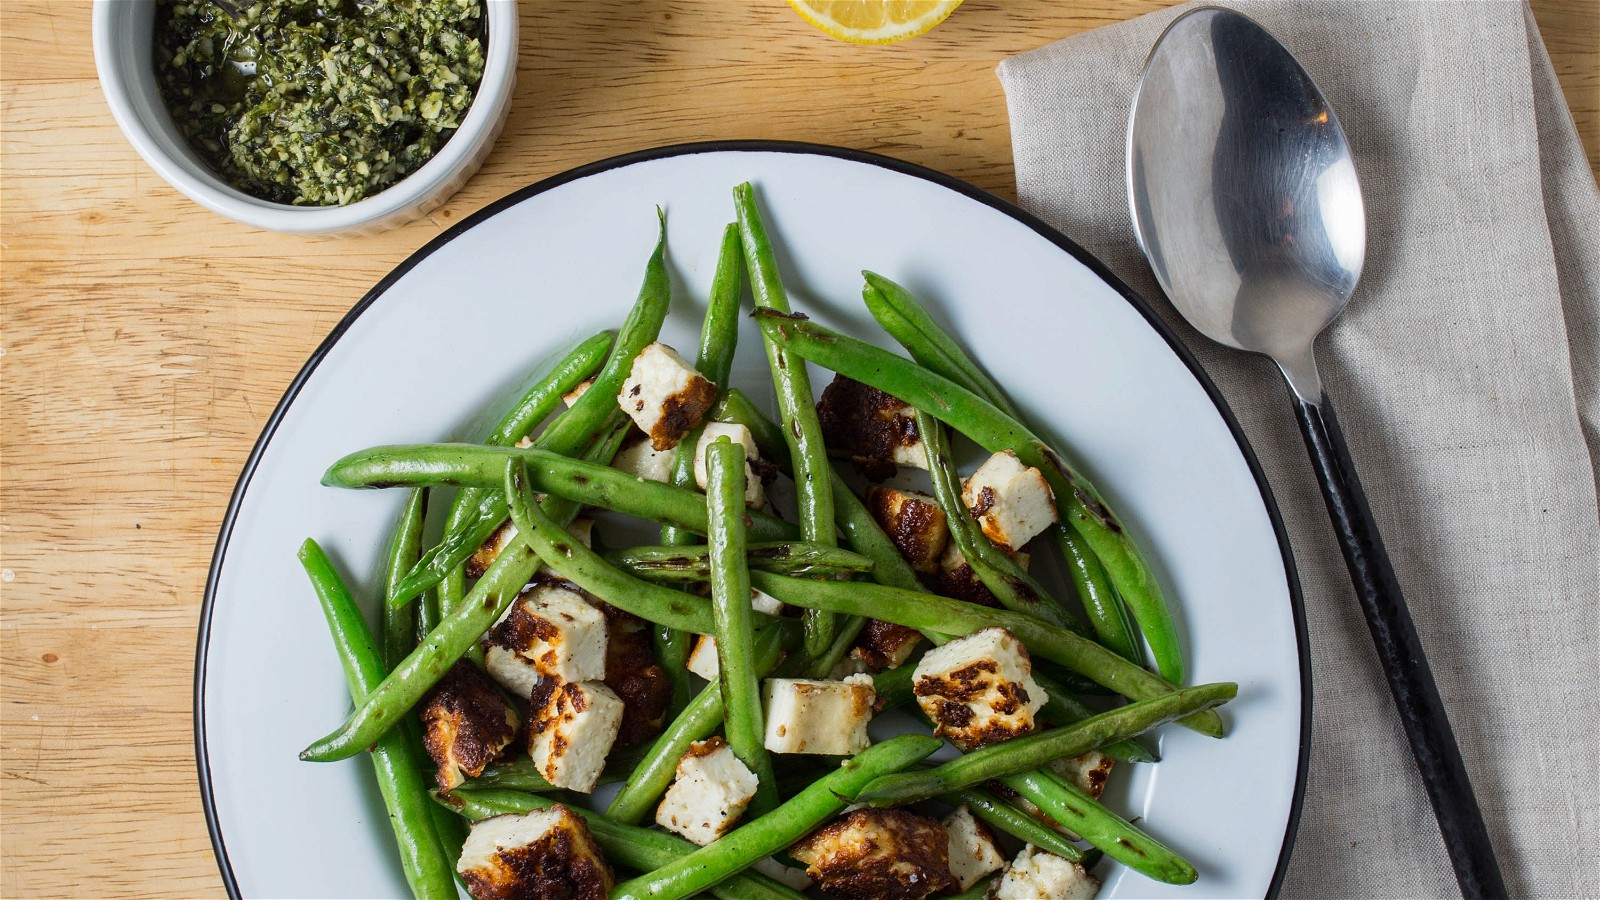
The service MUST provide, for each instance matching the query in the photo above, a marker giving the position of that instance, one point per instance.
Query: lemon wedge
(874, 21)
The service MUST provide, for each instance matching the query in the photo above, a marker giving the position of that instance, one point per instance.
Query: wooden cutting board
(146, 340)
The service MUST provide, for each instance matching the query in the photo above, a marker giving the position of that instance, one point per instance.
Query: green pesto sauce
(318, 102)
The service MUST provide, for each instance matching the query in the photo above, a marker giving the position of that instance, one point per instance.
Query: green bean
(989, 808)
(908, 321)
(1061, 708)
(585, 568)
(719, 336)
(428, 871)
(1080, 504)
(584, 483)
(672, 648)
(802, 430)
(932, 613)
(1076, 811)
(546, 394)
(1004, 578)
(533, 407)
(423, 667)
(626, 845)
(573, 429)
(713, 864)
(731, 613)
(698, 721)
(1107, 613)
(1036, 750)
(688, 563)
(447, 594)
(401, 624)
(400, 619)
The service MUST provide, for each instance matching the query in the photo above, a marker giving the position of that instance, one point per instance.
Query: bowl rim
(480, 124)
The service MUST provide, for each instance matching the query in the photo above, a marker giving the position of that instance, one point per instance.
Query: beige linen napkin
(1464, 372)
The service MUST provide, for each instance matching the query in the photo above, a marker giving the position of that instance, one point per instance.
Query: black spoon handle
(1416, 697)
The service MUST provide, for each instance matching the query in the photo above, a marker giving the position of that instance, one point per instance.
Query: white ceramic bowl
(122, 55)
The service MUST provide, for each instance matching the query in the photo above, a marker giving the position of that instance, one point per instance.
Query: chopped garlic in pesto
(318, 102)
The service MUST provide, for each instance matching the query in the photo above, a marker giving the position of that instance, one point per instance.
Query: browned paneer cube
(634, 675)
(979, 689)
(914, 522)
(664, 395)
(465, 724)
(874, 430)
(1089, 772)
(543, 854)
(484, 557)
(884, 645)
(956, 579)
(878, 854)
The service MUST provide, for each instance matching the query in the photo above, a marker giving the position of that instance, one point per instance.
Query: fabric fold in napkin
(1464, 372)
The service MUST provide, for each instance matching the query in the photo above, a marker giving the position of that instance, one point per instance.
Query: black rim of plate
(1045, 231)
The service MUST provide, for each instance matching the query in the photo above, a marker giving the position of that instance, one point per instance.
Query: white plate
(456, 328)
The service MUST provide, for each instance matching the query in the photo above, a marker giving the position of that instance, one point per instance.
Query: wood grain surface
(146, 340)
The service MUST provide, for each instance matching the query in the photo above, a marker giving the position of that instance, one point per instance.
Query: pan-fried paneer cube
(484, 557)
(876, 431)
(571, 728)
(973, 851)
(754, 490)
(634, 675)
(885, 645)
(490, 550)
(703, 658)
(878, 854)
(979, 689)
(664, 395)
(642, 460)
(1037, 875)
(465, 724)
(1011, 501)
(957, 579)
(914, 522)
(823, 717)
(534, 856)
(764, 603)
(1089, 772)
(578, 390)
(550, 632)
(711, 791)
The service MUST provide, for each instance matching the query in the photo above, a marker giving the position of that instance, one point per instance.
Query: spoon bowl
(1244, 195)
(1245, 201)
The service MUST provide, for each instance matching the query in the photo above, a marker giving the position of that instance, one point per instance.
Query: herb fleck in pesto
(318, 102)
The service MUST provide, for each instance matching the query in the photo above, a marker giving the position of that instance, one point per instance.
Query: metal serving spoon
(1245, 202)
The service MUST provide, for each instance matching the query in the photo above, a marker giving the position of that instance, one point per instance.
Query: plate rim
(941, 179)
